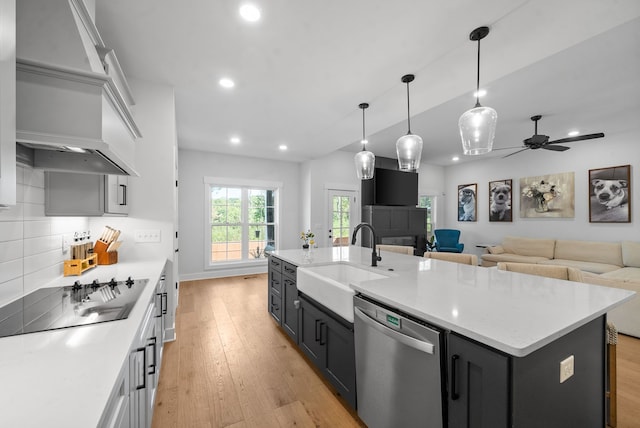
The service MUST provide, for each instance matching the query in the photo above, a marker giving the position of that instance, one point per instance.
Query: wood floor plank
(232, 366)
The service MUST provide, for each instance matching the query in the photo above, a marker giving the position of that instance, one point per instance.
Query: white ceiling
(303, 69)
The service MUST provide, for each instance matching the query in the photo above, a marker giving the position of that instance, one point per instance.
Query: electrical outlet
(66, 243)
(147, 235)
(566, 368)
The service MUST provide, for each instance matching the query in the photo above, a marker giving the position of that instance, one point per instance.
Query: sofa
(610, 264)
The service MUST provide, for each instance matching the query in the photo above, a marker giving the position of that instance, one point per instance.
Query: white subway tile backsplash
(42, 261)
(33, 195)
(11, 250)
(10, 291)
(33, 177)
(10, 230)
(13, 213)
(33, 281)
(10, 270)
(42, 244)
(31, 243)
(34, 212)
(37, 228)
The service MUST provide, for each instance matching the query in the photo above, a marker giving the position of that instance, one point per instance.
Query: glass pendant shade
(409, 147)
(365, 164)
(478, 125)
(477, 130)
(365, 160)
(409, 152)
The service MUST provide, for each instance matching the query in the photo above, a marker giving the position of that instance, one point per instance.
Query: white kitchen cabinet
(7, 103)
(116, 414)
(143, 370)
(116, 194)
(74, 194)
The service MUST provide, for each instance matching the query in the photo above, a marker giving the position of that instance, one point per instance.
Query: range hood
(71, 114)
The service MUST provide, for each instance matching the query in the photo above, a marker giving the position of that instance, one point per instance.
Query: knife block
(105, 257)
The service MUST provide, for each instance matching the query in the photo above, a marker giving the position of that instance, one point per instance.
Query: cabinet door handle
(323, 328)
(164, 303)
(454, 377)
(296, 304)
(144, 365)
(317, 331)
(124, 195)
(152, 367)
(159, 313)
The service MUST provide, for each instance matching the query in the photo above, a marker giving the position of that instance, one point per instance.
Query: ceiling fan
(539, 141)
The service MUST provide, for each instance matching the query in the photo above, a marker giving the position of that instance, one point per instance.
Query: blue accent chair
(447, 241)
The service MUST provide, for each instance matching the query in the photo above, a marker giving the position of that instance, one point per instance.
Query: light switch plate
(566, 368)
(147, 235)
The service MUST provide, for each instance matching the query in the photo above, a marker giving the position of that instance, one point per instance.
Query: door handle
(124, 195)
(144, 367)
(419, 345)
(152, 367)
(164, 300)
(454, 377)
(317, 334)
(323, 328)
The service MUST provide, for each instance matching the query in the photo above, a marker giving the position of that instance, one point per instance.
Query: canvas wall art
(500, 200)
(548, 196)
(609, 190)
(467, 202)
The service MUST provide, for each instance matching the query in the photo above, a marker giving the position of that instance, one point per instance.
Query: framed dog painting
(609, 190)
(500, 200)
(467, 203)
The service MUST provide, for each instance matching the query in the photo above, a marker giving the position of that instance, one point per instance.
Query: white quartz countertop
(63, 378)
(512, 312)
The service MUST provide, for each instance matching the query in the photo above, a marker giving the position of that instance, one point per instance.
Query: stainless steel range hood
(70, 114)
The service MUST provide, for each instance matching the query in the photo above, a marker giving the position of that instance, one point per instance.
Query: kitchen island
(531, 323)
(65, 378)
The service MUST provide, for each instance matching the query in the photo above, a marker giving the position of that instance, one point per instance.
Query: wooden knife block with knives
(107, 245)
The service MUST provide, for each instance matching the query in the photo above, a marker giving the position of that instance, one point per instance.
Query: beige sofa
(611, 264)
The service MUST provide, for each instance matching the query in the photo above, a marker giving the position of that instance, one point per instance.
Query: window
(428, 202)
(242, 222)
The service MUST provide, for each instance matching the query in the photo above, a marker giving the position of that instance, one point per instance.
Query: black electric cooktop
(70, 306)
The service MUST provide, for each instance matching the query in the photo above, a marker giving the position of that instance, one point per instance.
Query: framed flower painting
(548, 196)
(609, 190)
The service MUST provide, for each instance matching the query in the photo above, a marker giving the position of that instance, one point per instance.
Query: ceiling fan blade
(515, 153)
(555, 148)
(508, 148)
(577, 138)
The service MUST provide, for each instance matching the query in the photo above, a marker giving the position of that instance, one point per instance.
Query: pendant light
(365, 160)
(478, 125)
(409, 147)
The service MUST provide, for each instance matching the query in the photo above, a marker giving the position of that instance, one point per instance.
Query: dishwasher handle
(419, 345)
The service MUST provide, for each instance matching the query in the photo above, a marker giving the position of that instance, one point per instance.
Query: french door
(342, 216)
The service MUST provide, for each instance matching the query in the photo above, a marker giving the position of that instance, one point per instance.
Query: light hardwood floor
(231, 366)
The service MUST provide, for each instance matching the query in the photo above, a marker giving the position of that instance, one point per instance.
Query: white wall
(610, 151)
(30, 243)
(431, 182)
(194, 166)
(152, 193)
(335, 171)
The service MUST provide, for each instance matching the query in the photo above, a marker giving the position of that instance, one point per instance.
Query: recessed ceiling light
(235, 140)
(481, 93)
(282, 147)
(573, 133)
(225, 82)
(455, 158)
(250, 12)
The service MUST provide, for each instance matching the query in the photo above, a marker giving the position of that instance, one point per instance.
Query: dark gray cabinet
(478, 385)
(290, 302)
(328, 342)
(274, 305)
(283, 295)
(489, 389)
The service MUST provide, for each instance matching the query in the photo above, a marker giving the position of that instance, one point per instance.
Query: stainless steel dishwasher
(398, 368)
